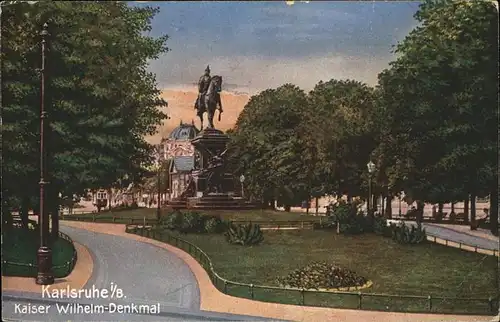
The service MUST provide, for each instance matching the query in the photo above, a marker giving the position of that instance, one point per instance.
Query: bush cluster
(193, 222)
(403, 234)
(245, 235)
(349, 217)
(322, 275)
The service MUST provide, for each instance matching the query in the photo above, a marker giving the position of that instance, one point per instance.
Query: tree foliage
(266, 145)
(438, 102)
(341, 129)
(430, 125)
(101, 101)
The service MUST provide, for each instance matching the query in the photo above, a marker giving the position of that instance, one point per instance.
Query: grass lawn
(428, 269)
(124, 216)
(21, 246)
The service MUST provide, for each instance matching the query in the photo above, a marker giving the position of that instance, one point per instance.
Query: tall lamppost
(371, 170)
(242, 180)
(44, 254)
(159, 163)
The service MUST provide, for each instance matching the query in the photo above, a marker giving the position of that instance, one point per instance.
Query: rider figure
(203, 84)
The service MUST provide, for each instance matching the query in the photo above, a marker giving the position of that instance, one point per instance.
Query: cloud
(256, 45)
(251, 74)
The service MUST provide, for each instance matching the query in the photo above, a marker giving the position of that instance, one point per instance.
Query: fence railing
(109, 218)
(58, 270)
(340, 299)
(298, 224)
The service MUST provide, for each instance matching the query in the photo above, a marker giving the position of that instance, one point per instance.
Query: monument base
(204, 194)
(222, 201)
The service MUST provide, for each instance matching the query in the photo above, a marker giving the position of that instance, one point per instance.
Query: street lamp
(371, 170)
(44, 254)
(242, 179)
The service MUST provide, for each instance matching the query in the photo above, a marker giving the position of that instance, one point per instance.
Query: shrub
(380, 226)
(246, 235)
(350, 218)
(411, 214)
(172, 221)
(192, 222)
(322, 275)
(406, 235)
(214, 225)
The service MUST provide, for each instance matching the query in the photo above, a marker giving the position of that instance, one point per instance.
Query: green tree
(100, 98)
(439, 103)
(341, 135)
(266, 146)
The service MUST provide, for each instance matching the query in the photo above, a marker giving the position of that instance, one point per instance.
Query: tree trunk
(494, 212)
(452, 208)
(388, 207)
(272, 204)
(382, 204)
(473, 223)
(317, 205)
(288, 208)
(54, 210)
(420, 211)
(466, 209)
(374, 204)
(24, 212)
(110, 195)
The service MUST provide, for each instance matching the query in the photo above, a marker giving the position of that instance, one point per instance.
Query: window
(101, 195)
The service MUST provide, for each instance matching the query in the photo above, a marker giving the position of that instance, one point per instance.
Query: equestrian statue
(215, 172)
(208, 100)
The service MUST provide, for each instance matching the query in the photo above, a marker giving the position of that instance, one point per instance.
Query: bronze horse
(210, 101)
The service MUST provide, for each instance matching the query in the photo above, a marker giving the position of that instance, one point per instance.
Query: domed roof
(184, 132)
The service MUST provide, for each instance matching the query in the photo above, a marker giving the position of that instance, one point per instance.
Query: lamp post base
(44, 260)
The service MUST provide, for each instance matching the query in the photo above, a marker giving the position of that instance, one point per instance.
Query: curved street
(145, 273)
(151, 275)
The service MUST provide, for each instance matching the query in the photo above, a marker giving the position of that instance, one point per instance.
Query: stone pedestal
(210, 143)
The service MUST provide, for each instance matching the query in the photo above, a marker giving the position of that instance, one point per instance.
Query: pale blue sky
(256, 45)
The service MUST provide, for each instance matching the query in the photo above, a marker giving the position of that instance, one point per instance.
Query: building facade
(178, 149)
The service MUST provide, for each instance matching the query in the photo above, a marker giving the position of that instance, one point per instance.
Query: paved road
(147, 275)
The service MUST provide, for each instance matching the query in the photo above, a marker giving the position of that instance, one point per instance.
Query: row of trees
(430, 125)
(101, 100)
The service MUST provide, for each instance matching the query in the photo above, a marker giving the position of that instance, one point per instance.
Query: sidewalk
(213, 300)
(76, 280)
(480, 232)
